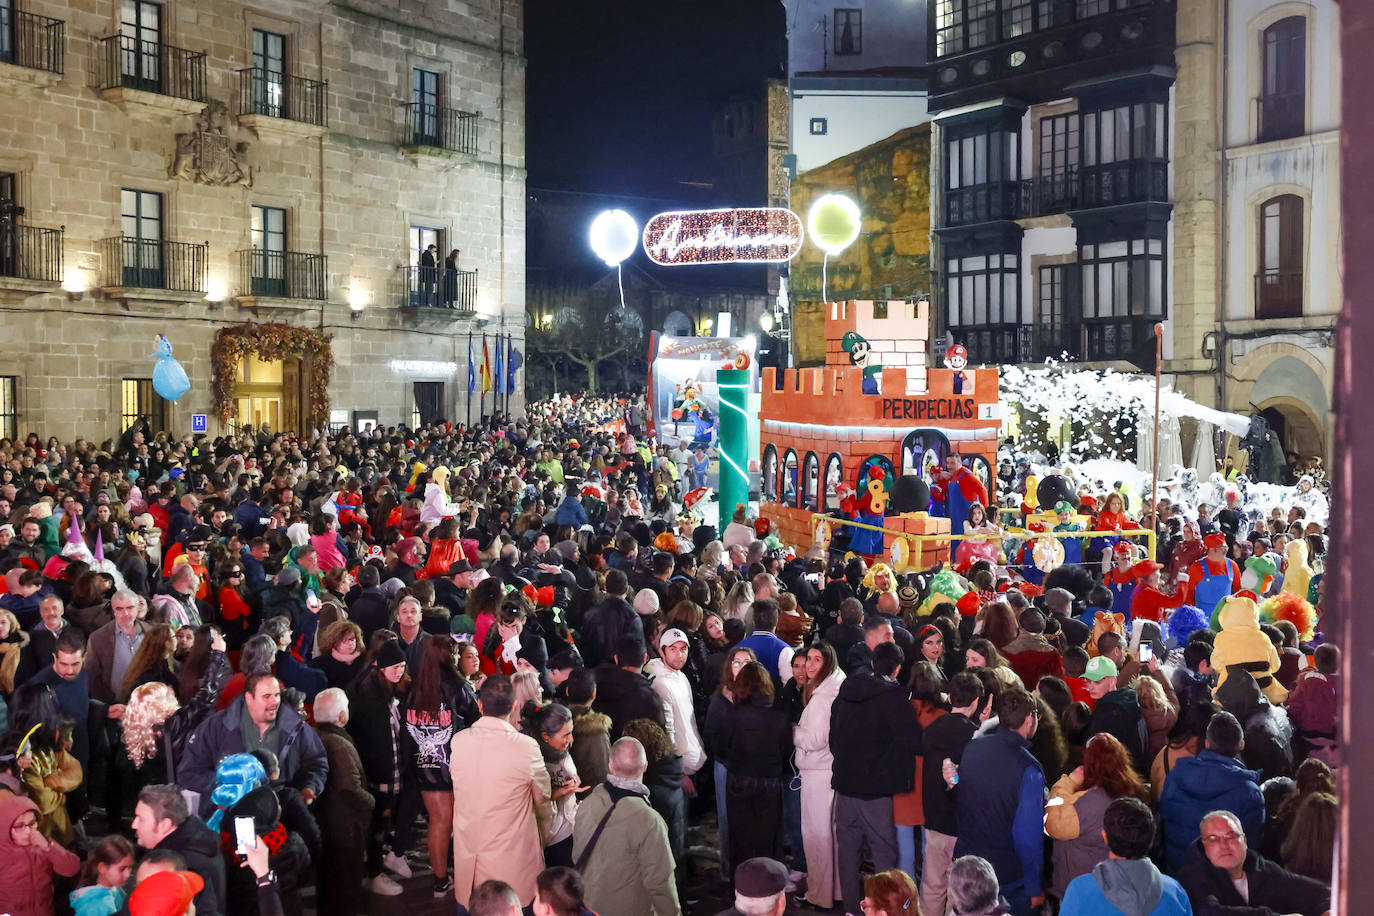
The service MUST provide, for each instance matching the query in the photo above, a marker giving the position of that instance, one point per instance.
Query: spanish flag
(486, 368)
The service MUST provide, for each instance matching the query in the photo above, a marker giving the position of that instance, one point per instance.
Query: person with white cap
(672, 686)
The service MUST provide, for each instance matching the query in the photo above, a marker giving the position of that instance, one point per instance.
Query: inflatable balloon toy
(1054, 489)
(833, 223)
(972, 550)
(169, 379)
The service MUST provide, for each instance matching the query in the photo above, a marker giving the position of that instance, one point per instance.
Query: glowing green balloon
(833, 222)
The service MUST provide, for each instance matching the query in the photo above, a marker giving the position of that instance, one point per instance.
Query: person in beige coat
(811, 736)
(501, 796)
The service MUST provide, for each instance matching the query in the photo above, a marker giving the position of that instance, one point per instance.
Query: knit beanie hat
(167, 893)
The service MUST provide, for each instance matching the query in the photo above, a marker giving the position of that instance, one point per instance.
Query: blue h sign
(198, 423)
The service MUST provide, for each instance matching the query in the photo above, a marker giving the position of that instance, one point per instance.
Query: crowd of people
(263, 674)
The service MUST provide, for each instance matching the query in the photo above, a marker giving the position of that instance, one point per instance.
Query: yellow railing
(916, 542)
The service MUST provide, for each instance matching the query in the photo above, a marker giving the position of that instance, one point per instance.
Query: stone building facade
(195, 165)
(1258, 188)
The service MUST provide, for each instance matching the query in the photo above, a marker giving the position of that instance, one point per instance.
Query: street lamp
(766, 322)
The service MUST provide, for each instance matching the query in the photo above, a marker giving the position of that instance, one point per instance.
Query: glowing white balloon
(833, 222)
(614, 236)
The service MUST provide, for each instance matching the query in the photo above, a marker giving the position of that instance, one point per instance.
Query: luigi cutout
(860, 352)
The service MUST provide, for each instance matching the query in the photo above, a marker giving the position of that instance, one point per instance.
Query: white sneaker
(383, 886)
(397, 865)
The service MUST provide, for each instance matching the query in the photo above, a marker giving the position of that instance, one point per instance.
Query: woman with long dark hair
(551, 725)
(755, 740)
(236, 612)
(1075, 822)
(374, 722)
(206, 662)
(440, 705)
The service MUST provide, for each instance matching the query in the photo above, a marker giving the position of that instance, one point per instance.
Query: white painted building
(855, 74)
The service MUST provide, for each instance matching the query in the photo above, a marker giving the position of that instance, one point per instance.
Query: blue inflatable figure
(169, 379)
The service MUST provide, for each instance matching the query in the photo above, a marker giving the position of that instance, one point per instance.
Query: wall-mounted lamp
(357, 301)
(766, 322)
(74, 282)
(1209, 345)
(216, 292)
(706, 324)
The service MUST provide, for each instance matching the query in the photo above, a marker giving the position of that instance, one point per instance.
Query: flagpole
(472, 378)
(480, 388)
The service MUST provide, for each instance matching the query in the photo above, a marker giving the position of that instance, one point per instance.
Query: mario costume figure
(868, 509)
(1214, 577)
(1148, 601)
(954, 490)
(956, 358)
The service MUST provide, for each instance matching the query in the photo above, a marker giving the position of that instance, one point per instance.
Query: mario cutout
(860, 354)
(868, 509)
(1242, 647)
(956, 358)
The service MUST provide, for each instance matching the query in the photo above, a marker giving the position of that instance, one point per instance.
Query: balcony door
(424, 118)
(141, 228)
(1283, 90)
(428, 405)
(269, 73)
(1058, 167)
(424, 269)
(9, 219)
(7, 12)
(1279, 284)
(269, 251)
(140, 45)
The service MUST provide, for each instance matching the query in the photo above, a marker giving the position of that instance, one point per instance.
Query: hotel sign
(744, 236)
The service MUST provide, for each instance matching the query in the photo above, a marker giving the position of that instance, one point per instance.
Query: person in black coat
(849, 632)
(1215, 865)
(755, 741)
(874, 737)
(369, 609)
(606, 623)
(622, 690)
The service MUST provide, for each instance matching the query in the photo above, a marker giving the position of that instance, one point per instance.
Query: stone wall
(350, 191)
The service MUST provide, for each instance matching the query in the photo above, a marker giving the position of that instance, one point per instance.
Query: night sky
(621, 92)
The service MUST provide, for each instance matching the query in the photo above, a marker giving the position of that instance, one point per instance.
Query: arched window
(811, 472)
(789, 479)
(770, 474)
(924, 450)
(1283, 79)
(834, 475)
(1278, 283)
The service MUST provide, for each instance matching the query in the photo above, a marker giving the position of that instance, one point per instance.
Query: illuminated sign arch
(759, 235)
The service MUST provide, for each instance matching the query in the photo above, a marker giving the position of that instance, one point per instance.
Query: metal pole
(1154, 456)
(472, 378)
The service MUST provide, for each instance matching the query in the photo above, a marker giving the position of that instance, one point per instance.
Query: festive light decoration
(271, 341)
(614, 235)
(423, 367)
(728, 236)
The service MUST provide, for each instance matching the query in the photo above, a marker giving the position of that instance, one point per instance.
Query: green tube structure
(733, 385)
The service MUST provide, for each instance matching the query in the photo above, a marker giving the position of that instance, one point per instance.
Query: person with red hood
(1148, 602)
(1213, 577)
(28, 861)
(166, 893)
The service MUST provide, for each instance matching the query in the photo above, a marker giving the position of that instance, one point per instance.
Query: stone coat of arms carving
(208, 155)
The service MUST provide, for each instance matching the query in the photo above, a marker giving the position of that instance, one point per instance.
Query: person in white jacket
(811, 736)
(674, 690)
(437, 506)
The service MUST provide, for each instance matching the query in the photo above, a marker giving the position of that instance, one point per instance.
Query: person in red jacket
(1149, 602)
(1030, 655)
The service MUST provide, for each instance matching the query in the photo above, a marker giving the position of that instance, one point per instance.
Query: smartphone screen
(244, 834)
(1147, 652)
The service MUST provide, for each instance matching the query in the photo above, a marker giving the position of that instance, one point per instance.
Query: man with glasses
(1228, 877)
